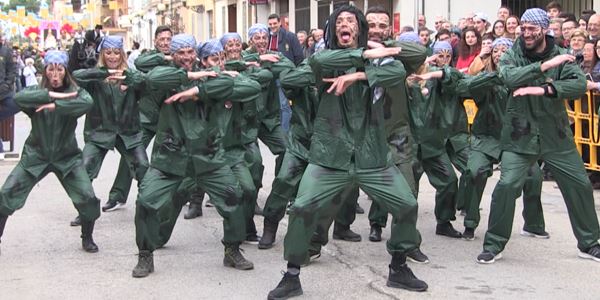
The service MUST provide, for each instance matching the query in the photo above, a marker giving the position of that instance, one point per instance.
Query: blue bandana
(440, 46)
(502, 42)
(230, 36)
(536, 16)
(411, 37)
(56, 57)
(210, 47)
(111, 42)
(256, 28)
(181, 41)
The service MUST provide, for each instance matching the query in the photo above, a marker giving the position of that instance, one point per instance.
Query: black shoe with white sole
(488, 257)
(469, 234)
(539, 235)
(417, 256)
(592, 253)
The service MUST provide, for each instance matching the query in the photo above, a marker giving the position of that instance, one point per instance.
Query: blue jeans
(8, 108)
(286, 110)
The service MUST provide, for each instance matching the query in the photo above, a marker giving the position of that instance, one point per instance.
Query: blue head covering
(256, 28)
(411, 37)
(210, 47)
(182, 40)
(440, 46)
(111, 42)
(536, 16)
(230, 36)
(502, 42)
(56, 57)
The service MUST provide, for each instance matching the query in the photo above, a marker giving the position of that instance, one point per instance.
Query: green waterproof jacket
(250, 123)
(349, 129)
(268, 106)
(242, 128)
(432, 114)
(395, 105)
(299, 87)
(149, 60)
(149, 109)
(115, 111)
(538, 124)
(455, 116)
(51, 142)
(491, 96)
(190, 134)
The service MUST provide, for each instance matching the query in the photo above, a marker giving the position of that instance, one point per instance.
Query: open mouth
(345, 36)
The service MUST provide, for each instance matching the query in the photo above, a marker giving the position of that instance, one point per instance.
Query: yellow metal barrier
(583, 115)
(471, 109)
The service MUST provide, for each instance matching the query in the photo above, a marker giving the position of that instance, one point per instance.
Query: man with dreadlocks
(349, 147)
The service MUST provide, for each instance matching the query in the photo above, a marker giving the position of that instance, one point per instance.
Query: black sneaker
(269, 232)
(313, 255)
(288, 287)
(375, 233)
(359, 210)
(542, 235)
(469, 234)
(446, 229)
(194, 211)
(252, 239)
(487, 257)
(76, 221)
(112, 206)
(592, 253)
(344, 233)
(403, 278)
(258, 210)
(417, 256)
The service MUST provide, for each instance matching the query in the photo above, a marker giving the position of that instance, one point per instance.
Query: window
(302, 15)
(211, 26)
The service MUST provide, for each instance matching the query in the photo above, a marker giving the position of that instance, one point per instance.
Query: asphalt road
(42, 257)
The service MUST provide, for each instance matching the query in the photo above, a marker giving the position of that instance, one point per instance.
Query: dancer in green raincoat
(540, 76)
(114, 120)
(188, 144)
(349, 147)
(51, 147)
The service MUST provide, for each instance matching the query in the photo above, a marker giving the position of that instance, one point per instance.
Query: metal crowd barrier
(583, 115)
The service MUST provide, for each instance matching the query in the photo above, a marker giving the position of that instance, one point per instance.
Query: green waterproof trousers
(285, 187)
(377, 215)
(162, 191)
(442, 177)
(249, 194)
(479, 169)
(122, 184)
(569, 172)
(275, 141)
(19, 184)
(459, 160)
(136, 158)
(317, 201)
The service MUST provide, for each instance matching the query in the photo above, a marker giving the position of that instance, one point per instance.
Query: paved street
(42, 257)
